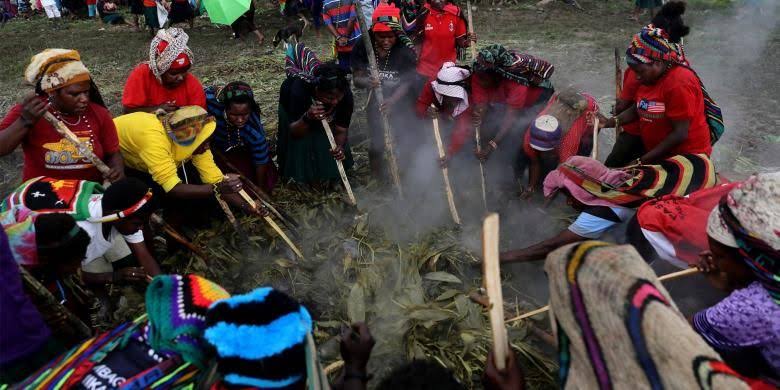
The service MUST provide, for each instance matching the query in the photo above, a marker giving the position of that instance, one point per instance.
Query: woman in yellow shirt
(156, 149)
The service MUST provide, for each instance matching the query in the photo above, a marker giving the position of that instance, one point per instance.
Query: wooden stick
(178, 237)
(35, 287)
(618, 83)
(595, 153)
(339, 164)
(81, 147)
(669, 276)
(380, 99)
(273, 224)
(261, 195)
(229, 214)
(481, 169)
(333, 367)
(492, 280)
(473, 44)
(444, 171)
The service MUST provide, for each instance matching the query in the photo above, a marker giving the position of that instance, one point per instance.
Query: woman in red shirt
(444, 31)
(675, 113)
(628, 145)
(508, 89)
(165, 82)
(64, 89)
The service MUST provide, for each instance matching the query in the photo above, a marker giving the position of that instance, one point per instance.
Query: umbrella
(225, 11)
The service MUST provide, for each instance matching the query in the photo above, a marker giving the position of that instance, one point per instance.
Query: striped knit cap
(260, 338)
(177, 305)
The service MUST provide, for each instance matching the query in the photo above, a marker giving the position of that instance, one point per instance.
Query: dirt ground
(730, 46)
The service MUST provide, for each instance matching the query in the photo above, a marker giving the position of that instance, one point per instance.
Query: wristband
(493, 144)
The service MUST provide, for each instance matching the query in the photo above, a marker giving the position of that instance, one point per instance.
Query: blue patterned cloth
(227, 137)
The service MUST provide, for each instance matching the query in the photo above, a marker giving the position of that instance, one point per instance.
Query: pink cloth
(595, 170)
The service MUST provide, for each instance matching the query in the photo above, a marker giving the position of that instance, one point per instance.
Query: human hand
(374, 82)
(230, 184)
(356, 345)
(527, 193)
(130, 275)
(509, 379)
(444, 161)
(316, 111)
(476, 116)
(433, 112)
(342, 41)
(484, 153)
(706, 264)
(338, 153)
(33, 109)
(601, 118)
(471, 37)
(114, 174)
(169, 106)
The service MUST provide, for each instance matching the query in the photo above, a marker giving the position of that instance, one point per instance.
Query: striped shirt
(338, 13)
(251, 136)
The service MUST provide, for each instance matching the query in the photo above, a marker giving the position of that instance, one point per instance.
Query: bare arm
(509, 120)
(540, 250)
(32, 111)
(145, 258)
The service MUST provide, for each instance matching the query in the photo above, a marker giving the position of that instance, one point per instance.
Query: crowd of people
(82, 220)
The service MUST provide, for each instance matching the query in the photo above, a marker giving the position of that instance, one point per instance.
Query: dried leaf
(434, 315)
(442, 276)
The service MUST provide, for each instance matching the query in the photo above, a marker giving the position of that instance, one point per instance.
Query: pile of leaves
(413, 294)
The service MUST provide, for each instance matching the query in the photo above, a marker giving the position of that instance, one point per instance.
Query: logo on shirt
(452, 26)
(428, 27)
(64, 155)
(650, 106)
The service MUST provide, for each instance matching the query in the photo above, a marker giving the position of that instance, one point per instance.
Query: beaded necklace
(81, 118)
(236, 132)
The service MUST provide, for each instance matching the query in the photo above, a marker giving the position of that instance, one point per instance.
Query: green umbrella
(225, 11)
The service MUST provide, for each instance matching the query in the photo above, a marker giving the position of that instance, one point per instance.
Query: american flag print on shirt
(650, 106)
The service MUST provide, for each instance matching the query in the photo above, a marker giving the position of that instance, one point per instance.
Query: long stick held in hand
(595, 153)
(492, 279)
(618, 83)
(471, 30)
(444, 171)
(339, 164)
(380, 99)
(248, 199)
(669, 276)
(481, 169)
(82, 148)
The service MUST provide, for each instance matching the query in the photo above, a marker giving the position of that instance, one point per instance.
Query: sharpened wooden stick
(471, 31)
(492, 279)
(380, 99)
(178, 237)
(595, 153)
(669, 276)
(333, 367)
(481, 169)
(444, 171)
(618, 84)
(339, 164)
(229, 214)
(82, 148)
(272, 224)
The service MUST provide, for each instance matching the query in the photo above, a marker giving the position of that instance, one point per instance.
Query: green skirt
(307, 159)
(150, 15)
(648, 3)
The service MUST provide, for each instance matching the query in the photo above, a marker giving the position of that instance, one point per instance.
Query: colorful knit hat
(545, 133)
(260, 338)
(176, 306)
(55, 69)
(383, 14)
(751, 213)
(521, 68)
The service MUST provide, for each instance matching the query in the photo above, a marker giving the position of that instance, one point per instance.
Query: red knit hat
(384, 13)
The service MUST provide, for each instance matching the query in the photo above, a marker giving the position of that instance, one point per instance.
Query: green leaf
(356, 304)
(441, 276)
(449, 294)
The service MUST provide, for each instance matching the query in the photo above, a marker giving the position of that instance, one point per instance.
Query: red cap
(382, 13)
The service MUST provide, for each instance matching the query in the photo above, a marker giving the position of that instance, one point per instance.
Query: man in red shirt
(444, 31)
(165, 81)
(65, 90)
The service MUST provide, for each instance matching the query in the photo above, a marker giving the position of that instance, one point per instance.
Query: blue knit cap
(260, 338)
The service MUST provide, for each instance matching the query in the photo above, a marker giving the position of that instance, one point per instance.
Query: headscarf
(169, 50)
(301, 62)
(177, 305)
(386, 18)
(653, 44)
(750, 215)
(177, 124)
(260, 338)
(521, 68)
(19, 225)
(55, 69)
(451, 81)
(617, 326)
